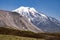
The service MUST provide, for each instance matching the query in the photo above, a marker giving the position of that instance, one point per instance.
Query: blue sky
(48, 7)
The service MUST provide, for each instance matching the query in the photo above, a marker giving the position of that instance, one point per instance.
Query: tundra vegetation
(13, 34)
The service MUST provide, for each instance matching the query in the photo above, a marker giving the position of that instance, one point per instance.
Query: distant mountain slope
(16, 21)
(44, 22)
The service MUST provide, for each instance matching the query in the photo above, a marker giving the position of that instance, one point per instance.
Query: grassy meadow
(13, 34)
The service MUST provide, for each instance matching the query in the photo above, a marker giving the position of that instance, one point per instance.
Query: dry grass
(11, 37)
(25, 35)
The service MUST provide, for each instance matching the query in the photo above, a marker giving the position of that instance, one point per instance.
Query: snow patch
(43, 15)
(29, 19)
(22, 9)
(25, 9)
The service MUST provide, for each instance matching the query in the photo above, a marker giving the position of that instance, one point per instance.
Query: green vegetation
(27, 35)
(11, 37)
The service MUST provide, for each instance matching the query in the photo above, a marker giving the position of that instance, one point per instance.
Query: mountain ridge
(16, 21)
(40, 20)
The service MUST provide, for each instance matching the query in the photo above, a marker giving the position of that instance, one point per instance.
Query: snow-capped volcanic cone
(46, 23)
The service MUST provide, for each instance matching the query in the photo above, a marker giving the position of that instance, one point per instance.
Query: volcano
(40, 20)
